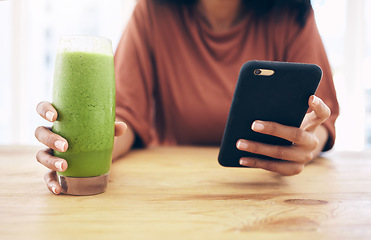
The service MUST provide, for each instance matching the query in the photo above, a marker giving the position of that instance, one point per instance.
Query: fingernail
(58, 165)
(256, 126)
(245, 162)
(53, 189)
(241, 145)
(315, 100)
(126, 126)
(49, 115)
(60, 145)
(121, 122)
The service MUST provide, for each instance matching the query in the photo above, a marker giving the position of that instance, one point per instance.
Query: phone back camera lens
(257, 71)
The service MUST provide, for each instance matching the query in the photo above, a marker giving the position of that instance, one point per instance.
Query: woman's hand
(308, 141)
(56, 142)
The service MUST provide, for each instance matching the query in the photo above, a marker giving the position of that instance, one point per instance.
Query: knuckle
(45, 159)
(272, 128)
(315, 143)
(269, 166)
(47, 179)
(298, 135)
(311, 156)
(49, 161)
(308, 157)
(47, 140)
(39, 156)
(295, 170)
(325, 114)
(253, 147)
(39, 106)
(256, 148)
(279, 153)
(37, 132)
(255, 163)
(44, 136)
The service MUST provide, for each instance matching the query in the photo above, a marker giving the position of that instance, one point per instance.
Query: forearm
(123, 143)
(322, 136)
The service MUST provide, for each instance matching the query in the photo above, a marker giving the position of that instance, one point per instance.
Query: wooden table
(182, 193)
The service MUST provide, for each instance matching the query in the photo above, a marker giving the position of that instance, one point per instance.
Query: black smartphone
(268, 91)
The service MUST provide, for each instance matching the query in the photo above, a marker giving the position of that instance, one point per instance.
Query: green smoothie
(84, 96)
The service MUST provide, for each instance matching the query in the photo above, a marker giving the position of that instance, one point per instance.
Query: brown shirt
(175, 77)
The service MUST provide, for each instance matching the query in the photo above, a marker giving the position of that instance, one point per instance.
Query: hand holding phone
(277, 94)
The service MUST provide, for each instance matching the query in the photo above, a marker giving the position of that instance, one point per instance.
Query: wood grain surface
(182, 193)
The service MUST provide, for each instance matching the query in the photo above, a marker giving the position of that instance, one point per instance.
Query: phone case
(281, 97)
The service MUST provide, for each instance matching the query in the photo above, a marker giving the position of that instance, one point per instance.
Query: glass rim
(85, 43)
(84, 36)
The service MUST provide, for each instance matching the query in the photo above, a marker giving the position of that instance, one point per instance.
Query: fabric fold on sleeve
(134, 75)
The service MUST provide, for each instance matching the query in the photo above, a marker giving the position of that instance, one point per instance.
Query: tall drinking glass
(84, 97)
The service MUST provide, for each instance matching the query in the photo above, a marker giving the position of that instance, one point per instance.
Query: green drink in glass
(84, 97)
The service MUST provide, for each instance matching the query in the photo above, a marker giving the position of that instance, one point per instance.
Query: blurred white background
(29, 33)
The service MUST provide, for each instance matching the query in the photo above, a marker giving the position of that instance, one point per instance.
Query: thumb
(319, 114)
(120, 128)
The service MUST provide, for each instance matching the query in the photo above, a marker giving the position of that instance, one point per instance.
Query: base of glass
(83, 186)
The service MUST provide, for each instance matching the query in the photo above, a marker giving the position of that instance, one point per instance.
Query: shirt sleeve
(134, 74)
(305, 45)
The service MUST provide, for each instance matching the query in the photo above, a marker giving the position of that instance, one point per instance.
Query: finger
(319, 114)
(50, 139)
(291, 153)
(292, 134)
(47, 111)
(46, 158)
(120, 128)
(308, 119)
(282, 167)
(52, 182)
